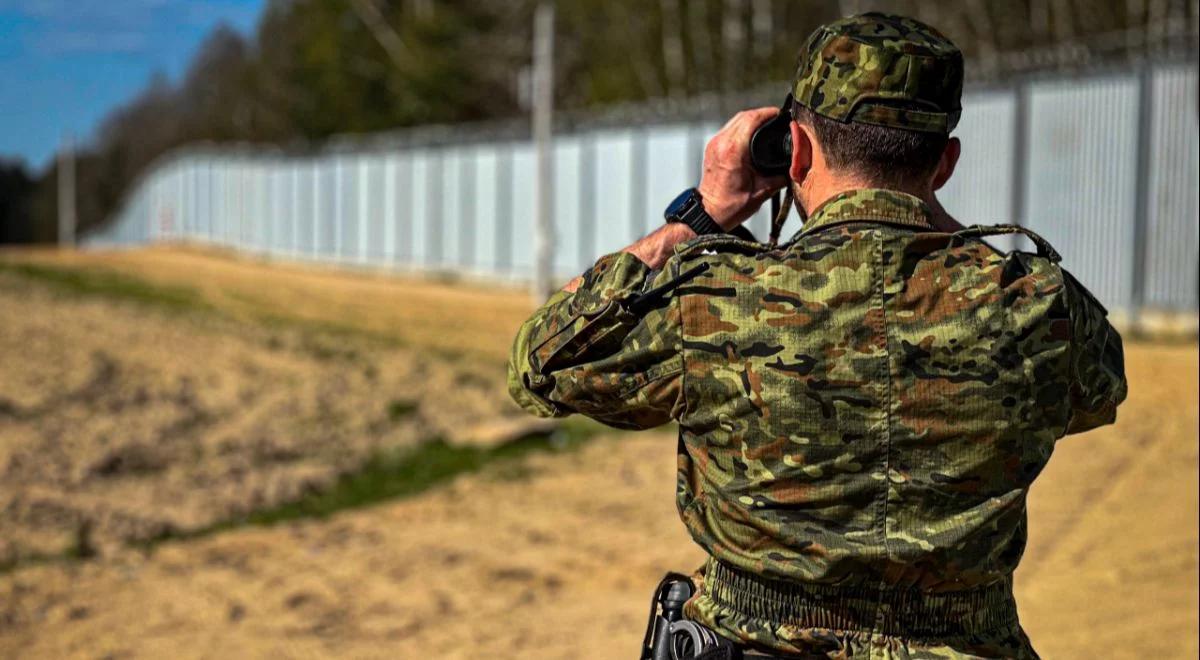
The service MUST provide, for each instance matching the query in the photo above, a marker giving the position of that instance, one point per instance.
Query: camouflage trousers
(812, 621)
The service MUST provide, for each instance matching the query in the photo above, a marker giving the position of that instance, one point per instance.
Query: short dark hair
(881, 155)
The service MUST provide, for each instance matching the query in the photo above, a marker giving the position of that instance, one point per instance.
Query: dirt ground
(554, 561)
(123, 421)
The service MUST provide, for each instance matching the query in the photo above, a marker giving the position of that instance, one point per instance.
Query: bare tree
(733, 43)
(700, 42)
(675, 66)
(397, 51)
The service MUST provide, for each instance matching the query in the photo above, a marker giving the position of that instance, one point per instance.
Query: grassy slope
(386, 474)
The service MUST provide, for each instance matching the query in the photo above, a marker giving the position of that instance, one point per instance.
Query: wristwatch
(688, 208)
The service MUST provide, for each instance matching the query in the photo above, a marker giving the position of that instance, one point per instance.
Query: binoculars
(771, 143)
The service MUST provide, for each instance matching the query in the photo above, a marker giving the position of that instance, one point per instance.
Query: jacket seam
(887, 426)
(683, 360)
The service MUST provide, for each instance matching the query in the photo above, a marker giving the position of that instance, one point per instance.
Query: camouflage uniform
(861, 410)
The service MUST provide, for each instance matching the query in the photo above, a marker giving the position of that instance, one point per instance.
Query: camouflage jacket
(866, 404)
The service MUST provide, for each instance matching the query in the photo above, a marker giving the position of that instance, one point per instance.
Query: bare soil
(123, 418)
(553, 558)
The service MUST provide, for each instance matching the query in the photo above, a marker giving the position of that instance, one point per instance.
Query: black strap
(744, 233)
(779, 214)
(702, 223)
(1043, 246)
(645, 301)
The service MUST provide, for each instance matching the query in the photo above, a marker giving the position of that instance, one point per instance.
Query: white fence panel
(1105, 167)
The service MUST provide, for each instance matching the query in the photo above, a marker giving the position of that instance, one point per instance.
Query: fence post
(587, 201)
(435, 166)
(504, 210)
(1020, 156)
(543, 128)
(637, 184)
(363, 208)
(467, 211)
(695, 150)
(405, 183)
(317, 180)
(1141, 213)
(294, 235)
(339, 207)
(66, 192)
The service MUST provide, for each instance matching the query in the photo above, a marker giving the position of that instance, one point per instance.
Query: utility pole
(543, 136)
(66, 192)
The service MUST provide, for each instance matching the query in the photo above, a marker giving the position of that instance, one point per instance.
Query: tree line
(312, 69)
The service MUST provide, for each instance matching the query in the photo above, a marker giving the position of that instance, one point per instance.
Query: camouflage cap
(882, 69)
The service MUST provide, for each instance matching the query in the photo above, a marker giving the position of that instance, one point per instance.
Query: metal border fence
(1103, 165)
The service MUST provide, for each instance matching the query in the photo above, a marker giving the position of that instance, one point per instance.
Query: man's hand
(731, 188)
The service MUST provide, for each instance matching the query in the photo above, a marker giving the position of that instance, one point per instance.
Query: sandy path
(1111, 568)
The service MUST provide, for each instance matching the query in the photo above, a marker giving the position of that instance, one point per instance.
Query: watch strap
(694, 216)
(691, 213)
(700, 221)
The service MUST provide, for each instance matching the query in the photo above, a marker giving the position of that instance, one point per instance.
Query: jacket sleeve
(595, 353)
(1098, 383)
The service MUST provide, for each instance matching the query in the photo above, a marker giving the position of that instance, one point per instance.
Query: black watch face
(676, 207)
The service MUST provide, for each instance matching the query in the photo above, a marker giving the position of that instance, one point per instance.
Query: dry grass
(134, 406)
(558, 563)
(463, 321)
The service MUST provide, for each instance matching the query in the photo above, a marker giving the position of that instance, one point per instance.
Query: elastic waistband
(905, 613)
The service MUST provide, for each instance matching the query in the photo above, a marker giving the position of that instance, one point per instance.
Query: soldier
(862, 409)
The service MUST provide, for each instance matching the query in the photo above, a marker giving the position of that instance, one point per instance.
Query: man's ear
(802, 153)
(947, 162)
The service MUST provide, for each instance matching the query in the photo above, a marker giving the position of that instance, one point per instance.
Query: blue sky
(64, 64)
